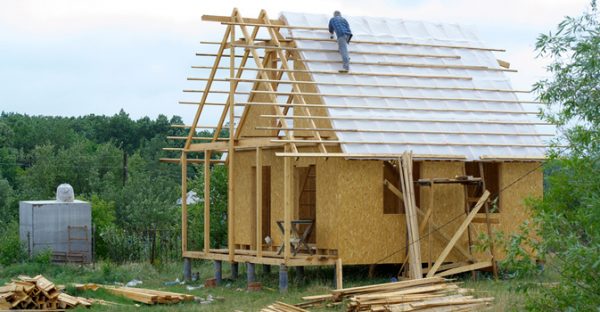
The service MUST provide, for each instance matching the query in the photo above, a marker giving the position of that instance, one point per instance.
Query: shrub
(12, 250)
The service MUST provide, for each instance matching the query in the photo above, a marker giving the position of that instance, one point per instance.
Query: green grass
(234, 295)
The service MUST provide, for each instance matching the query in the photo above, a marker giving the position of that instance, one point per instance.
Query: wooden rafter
(295, 86)
(208, 85)
(263, 73)
(233, 86)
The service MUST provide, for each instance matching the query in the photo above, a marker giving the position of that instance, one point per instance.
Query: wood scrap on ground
(37, 293)
(143, 295)
(427, 294)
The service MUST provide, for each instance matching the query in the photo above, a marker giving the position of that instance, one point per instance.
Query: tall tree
(568, 218)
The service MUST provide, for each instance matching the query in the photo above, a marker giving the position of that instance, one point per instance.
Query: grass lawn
(235, 297)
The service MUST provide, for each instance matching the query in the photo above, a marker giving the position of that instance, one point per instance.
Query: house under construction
(407, 159)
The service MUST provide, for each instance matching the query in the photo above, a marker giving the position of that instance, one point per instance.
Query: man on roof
(340, 26)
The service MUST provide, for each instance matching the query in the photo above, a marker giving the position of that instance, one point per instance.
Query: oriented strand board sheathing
(310, 99)
(350, 213)
(513, 210)
(243, 202)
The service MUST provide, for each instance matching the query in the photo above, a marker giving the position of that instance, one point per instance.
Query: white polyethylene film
(416, 116)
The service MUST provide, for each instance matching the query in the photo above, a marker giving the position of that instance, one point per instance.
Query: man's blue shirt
(340, 26)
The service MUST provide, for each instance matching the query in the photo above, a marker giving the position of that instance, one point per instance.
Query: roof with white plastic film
(468, 109)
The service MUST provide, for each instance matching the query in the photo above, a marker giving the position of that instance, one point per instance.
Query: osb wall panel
(350, 213)
(513, 211)
(448, 204)
(243, 205)
(311, 99)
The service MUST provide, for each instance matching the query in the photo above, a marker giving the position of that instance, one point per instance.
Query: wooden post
(259, 202)
(184, 214)
(339, 280)
(231, 150)
(288, 195)
(206, 201)
(429, 247)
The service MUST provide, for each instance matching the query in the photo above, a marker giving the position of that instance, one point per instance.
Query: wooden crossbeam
(429, 66)
(391, 108)
(380, 156)
(194, 138)
(189, 160)
(221, 18)
(482, 121)
(274, 25)
(377, 96)
(351, 73)
(411, 44)
(448, 56)
(380, 85)
(393, 97)
(412, 131)
(335, 142)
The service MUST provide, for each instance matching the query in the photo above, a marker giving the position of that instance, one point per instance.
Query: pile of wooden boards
(37, 293)
(282, 307)
(423, 295)
(147, 296)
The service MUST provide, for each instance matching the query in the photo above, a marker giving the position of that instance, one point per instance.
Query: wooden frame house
(387, 164)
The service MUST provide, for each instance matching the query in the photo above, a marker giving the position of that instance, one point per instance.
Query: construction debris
(428, 294)
(147, 296)
(37, 293)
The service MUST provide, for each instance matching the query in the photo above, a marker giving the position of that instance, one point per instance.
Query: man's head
(337, 13)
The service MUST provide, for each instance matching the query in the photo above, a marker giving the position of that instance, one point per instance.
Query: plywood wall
(349, 209)
(519, 183)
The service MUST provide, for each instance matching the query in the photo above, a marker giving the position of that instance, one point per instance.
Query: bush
(12, 250)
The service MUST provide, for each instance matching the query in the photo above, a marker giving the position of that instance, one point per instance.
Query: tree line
(111, 161)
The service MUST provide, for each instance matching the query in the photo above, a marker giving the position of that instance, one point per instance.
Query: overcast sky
(77, 57)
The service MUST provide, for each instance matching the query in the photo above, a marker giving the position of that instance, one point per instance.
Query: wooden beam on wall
(184, 212)
(231, 153)
(259, 202)
(288, 195)
(207, 202)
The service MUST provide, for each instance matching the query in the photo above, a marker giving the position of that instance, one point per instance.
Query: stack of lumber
(282, 307)
(37, 293)
(423, 295)
(147, 296)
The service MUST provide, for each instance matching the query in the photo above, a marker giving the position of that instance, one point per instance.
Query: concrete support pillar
(250, 273)
(266, 269)
(283, 278)
(187, 269)
(219, 271)
(299, 274)
(234, 270)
